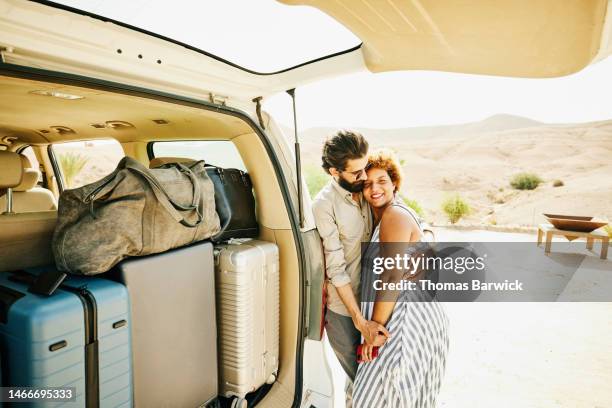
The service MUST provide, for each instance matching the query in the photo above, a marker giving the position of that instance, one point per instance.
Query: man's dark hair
(341, 147)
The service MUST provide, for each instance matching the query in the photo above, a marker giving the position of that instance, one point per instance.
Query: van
(67, 75)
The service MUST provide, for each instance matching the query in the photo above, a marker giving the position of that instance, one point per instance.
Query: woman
(409, 367)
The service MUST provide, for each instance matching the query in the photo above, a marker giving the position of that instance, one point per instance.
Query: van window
(221, 153)
(29, 153)
(82, 163)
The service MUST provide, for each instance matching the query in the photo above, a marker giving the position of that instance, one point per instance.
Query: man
(344, 221)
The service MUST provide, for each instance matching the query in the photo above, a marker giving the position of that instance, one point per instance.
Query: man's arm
(374, 333)
(335, 269)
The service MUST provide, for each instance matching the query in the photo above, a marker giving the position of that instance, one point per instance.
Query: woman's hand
(366, 352)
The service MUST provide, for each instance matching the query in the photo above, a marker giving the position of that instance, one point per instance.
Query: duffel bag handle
(164, 198)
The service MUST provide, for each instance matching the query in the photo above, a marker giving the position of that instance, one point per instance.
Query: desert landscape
(478, 160)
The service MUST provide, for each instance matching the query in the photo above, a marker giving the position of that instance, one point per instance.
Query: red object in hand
(360, 348)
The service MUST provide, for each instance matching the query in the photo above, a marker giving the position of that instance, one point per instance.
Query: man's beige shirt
(343, 225)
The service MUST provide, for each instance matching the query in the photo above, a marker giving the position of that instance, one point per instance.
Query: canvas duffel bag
(133, 211)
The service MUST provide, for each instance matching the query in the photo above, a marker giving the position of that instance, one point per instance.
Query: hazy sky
(400, 99)
(266, 36)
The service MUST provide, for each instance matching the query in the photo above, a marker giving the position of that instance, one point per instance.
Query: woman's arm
(395, 226)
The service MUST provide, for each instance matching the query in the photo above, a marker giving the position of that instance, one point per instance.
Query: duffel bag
(133, 211)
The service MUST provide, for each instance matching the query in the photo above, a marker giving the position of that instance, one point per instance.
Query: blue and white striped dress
(410, 366)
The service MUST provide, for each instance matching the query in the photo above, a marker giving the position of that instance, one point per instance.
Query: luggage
(234, 202)
(77, 337)
(247, 275)
(174, 332)
(133, 211)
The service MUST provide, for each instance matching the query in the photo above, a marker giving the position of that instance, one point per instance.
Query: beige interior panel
(523, 38)
(136, 150)
(125, 118)
(271, 210)
(289, 314)
(25, 240)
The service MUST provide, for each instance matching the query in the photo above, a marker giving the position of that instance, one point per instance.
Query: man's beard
(355, 187)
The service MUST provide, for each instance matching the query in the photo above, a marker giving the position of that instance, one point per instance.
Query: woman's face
(378, 188)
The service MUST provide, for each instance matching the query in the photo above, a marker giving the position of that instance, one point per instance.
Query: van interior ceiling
(39, 114)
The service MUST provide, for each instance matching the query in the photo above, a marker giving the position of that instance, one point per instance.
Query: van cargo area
(40, 110)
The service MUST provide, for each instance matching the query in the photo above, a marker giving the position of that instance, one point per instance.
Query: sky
(266, 36)
(424, 98)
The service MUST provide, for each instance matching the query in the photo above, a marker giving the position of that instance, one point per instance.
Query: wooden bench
(549, 231)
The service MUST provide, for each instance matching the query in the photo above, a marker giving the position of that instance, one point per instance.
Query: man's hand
(373, 333)
(379, 340)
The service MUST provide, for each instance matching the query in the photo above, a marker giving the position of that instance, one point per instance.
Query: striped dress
(410, 366)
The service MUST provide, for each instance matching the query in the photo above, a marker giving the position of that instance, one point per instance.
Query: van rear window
(221, 153)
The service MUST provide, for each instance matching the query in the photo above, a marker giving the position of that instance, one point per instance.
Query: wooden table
(549, 231)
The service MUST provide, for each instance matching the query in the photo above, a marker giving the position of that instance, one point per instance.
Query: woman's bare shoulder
(396, 225)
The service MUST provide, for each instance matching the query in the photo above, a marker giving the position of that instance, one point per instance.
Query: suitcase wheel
(239, 403)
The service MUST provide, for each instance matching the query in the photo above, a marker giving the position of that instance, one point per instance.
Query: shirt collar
(347, 194)
(343, 192)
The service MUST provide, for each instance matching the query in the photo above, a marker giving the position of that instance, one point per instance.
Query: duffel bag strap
(164, 198)
(44, 284)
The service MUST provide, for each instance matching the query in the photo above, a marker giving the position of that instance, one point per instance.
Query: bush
(455, 208)
(316, 179)
(414, 204)
(608, 229)
(525, 181)
(71, 164)
(558, 183)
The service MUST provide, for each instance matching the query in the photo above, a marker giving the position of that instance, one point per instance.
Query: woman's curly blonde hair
(387, 160)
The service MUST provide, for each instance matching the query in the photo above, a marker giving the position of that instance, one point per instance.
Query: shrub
(608, 229)
(525, 181)
(71, 164)
(414, 204)
(558, 183)
(455, 208)
(316, 179)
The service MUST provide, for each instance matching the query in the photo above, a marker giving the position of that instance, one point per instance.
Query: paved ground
(528, 354)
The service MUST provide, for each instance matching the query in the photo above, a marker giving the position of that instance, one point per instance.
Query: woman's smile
(378, 189)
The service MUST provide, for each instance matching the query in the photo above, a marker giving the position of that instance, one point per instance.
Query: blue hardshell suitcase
(77, 337)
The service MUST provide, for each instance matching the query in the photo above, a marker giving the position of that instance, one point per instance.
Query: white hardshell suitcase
(247, 284)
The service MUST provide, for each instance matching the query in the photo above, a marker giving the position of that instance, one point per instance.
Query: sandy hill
(477, 161)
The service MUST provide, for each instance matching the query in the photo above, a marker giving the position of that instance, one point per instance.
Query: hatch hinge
(258, 110)
(217, 99)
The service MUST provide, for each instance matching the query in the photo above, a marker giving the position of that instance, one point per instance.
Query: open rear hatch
(536, 39)
(541, 38)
